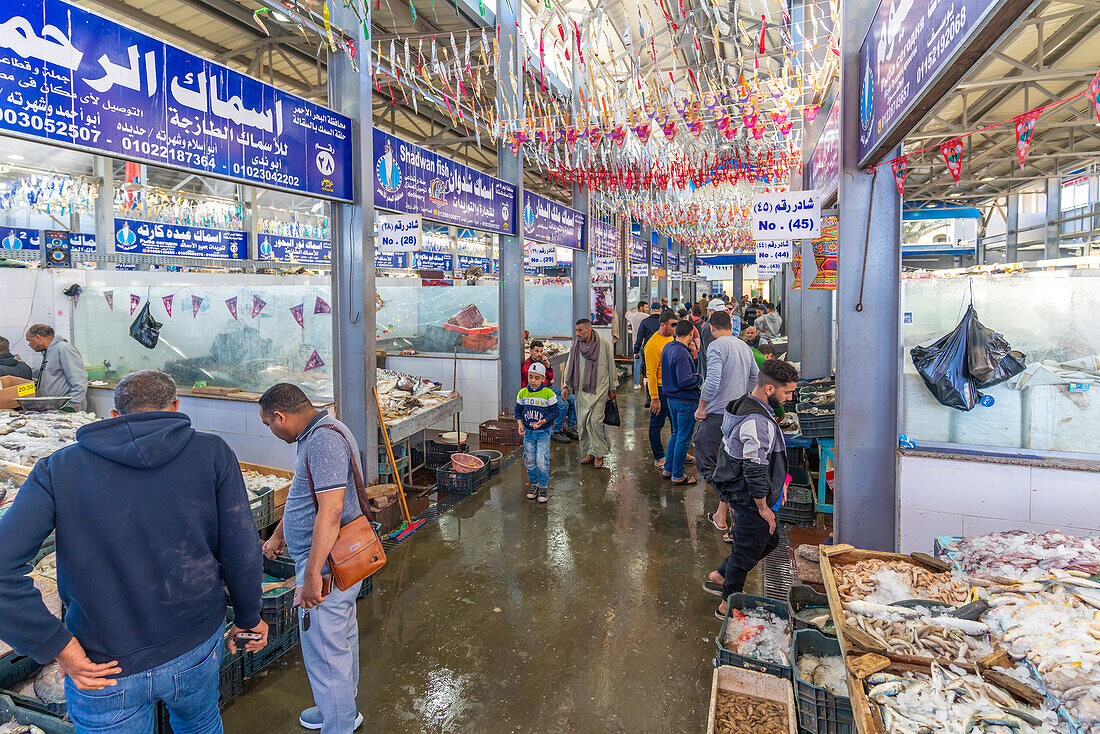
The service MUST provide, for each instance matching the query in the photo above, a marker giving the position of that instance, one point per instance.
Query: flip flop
(720, 615)
(710, 516)
(689, 459)
(727, 537)
(687, 481)
(712, 588)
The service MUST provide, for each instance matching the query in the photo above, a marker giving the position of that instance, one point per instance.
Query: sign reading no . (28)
(786, 215)
(399, 232)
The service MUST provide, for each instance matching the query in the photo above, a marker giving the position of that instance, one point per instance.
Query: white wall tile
(983, 525)
(1059, 496)
(918, 528)
(966, 488)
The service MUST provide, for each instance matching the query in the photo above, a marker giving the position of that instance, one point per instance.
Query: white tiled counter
(971, 493)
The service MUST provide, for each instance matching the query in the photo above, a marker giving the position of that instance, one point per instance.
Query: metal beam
(510, 168)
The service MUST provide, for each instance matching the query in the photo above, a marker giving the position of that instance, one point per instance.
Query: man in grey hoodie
(752, 472)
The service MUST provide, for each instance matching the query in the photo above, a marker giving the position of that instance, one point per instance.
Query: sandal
(598, 463)
(687, 481)
(588, 459)
(714, 522)
(727, 537)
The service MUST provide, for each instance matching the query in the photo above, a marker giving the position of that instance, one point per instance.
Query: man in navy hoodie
(680, 386)
(151, 519)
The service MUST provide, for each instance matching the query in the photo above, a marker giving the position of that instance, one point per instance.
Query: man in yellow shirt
(658, 408)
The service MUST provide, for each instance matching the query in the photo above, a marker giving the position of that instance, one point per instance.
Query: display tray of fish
(824, 672)
(1054, 627)
(945, 700)
(759, 635)
(814, 410)
(27, 437)
(1024, 556)
(549, 349)
(401, 396)
(885, 581)
(257, 483)
(14, 727)
(917, 633)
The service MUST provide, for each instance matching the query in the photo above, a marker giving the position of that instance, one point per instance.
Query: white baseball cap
(716, 305)
(538, 368)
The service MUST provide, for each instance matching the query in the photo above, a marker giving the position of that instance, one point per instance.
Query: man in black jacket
(151, 519)
(10, 365)
(751, 476)
(647, 327)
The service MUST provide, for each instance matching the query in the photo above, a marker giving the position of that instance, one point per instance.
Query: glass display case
(1050, 316)
(437, 317)
(548, 309)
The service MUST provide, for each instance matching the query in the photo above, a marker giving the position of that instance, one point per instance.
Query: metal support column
(660, 241)
(868, 348)
(103, 170)
(452, 239)
(646, 234)
(622, 282)
(1052, 247)
(353, 292)
(510, 168)
(1012, 228)
(738, 281)
(582, 277)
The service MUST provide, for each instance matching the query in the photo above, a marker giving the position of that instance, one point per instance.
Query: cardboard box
(12, 388)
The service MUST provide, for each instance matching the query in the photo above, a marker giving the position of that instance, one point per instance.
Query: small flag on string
(257, 305)
(135, 301)
(167, 301)
(314, 361)
(1094, 93)
(809, 112)
(899, 166)
(321, 306)
(110, 298)
(298, 311)
(231, 304)
(1025, 126)
(952, 154)
(196, 304)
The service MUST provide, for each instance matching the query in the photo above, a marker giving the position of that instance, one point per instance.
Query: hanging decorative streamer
(825, 255)
(257, 305)
(952, 154)
(167, 301)
(314, 362)
(1094, 94)
(899, 166)
(298, 311)
(321, 306)
(231, 304)
(1025, 126)
(110, 298)
(796, 267)
(135, 301)
(196, 304)
(76, 296)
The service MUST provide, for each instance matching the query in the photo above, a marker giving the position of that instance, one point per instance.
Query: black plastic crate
(799, 507)
(367, 588)
(801, 518)
(16, 668)
(800, 597)
(799, 476)
(819, 711)
(58, 710)
(281, 567)
(439, 454)
(744, 602)
(461, 483)
(254, 662)
(263, 508)
(230, 677)
(49, 724)
(815, 426)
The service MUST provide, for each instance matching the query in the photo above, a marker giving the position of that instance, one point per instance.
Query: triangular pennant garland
(135, 301)
(231, 304)
(952, 154)
(110, 298)
(321, 306)
(298, 311)
(899, 166)
(257, 305)
(167, 301)
(196, 304)
(1094, 93)
(314, 361)
(1025, 126)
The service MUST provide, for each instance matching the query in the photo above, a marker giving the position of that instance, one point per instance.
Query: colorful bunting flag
(314, 361)
(167, 301)
(196, 304)
(1094, 93)
(1025, 126)
(825, 256)
(899, 166)
(952, 153)
(231, 304)
(321, 306)
(135, 301)
(257, 305)
(298, 311)
(796, 267)
(110, 297)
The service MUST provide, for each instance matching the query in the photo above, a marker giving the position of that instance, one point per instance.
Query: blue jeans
(536, 456)
(656, 425)
(681, 414)
(567, 411)
(188, 685)
(638, 371)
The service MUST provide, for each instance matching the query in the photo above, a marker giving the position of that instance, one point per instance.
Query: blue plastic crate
(745, 602)
(49, 724)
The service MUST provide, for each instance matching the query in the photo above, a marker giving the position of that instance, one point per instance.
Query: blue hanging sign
(293, 249)
(466, 261)
(673, 260)
(638, 250)
(605, 239)
(433, 261)
(391, 259)
(76, 79)
(658, 257)
(13, 238)
(79, 242)
(414, 180)
(153, 238)
(553, 223)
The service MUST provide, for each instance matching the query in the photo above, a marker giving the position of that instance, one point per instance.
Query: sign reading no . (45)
(786, 215)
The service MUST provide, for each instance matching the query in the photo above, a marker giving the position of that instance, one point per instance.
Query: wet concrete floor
(583, 615)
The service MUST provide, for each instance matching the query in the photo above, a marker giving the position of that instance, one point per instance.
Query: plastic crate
(799, 508)
(58, 710)
(10, 711)
(819, 711)
(460, 483)
(800, 597)
(263, 508)
(230, 677)
(439, 454)
(279, 613)
(385, 468)
(815, 426)
(500, 431)
(726, 656)
(799, 476)
(16, 668)
(254, 662)
(281, 567)
(366, 589)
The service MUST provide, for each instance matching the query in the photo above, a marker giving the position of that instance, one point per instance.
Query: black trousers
(752, 540)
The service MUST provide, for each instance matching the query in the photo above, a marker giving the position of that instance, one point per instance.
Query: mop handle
(393, 462)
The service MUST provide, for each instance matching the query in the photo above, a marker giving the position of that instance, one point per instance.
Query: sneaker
(532, 491)
(542, 495)
(637, 387)
(559, 436)
(311, 719)
(571, 431)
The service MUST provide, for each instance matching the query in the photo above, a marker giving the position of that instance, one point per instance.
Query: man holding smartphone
(318, 504)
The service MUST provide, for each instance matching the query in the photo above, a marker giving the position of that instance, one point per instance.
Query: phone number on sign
(262, 174)
(160, 152)
(26, 121)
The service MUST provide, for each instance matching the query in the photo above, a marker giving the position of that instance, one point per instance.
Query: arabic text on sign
(786, 215)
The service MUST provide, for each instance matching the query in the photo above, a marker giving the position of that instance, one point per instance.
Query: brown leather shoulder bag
(358, 551)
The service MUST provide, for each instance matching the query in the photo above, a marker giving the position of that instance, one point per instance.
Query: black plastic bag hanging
(611, 413)
(970, 357)
(145, 329)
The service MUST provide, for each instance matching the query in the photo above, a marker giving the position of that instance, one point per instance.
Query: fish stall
(996, 633)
